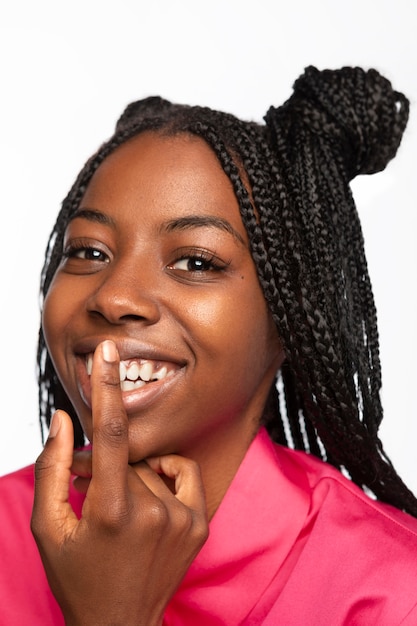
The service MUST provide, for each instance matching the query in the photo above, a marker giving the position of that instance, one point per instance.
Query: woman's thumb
(51, 510)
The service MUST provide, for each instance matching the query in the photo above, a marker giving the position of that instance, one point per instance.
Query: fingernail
(109, 351)
(54, 426)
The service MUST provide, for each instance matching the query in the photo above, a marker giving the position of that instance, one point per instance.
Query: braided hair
(291, 179)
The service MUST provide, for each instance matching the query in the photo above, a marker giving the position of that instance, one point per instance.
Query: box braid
(291, 179)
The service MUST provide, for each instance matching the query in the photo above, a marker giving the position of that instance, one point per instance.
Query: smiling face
(157, 259)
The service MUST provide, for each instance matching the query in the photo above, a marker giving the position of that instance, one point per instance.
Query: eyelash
(208, 260)
(73, 249)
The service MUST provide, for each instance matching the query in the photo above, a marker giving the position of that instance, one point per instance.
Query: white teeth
(132, 372)
(146, 371)
(160, 374)
(122, 371)
(129, 385)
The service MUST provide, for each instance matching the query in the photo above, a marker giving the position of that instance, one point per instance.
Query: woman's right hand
(121, 562)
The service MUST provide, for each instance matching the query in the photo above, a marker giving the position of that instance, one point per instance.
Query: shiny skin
(171, 288)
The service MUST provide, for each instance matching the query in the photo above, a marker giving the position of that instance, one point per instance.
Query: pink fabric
(293, 543)
(25, 597)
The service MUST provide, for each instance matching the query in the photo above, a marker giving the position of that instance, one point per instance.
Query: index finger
(110, 449)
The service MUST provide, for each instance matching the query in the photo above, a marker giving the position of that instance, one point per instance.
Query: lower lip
(133, 401)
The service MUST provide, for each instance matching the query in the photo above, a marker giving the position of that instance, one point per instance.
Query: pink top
(292, 543)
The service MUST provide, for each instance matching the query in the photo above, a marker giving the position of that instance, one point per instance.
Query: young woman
(207, 309)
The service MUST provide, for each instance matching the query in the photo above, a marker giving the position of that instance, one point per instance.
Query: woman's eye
(197, 263)
(193, 264)
(85, 253)
(90, 254)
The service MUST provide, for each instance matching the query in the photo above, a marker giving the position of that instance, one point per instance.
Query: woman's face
(157, 259)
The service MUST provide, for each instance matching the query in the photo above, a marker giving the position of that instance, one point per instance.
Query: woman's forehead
(169, 173)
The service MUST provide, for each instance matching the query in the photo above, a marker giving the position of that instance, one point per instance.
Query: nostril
(118, 319)
(131, 317)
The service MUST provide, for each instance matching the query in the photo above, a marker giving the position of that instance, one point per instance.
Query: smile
(136, 373)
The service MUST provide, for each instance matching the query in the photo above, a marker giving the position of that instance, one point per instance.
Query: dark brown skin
(161, 462)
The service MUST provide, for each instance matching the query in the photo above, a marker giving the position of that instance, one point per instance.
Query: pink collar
(251, 535)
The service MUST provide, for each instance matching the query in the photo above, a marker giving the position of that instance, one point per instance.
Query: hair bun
(355, 110)
(149, 107)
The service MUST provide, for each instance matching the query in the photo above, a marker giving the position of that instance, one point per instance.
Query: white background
(68, 70)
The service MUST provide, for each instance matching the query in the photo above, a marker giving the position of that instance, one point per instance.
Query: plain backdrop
(68, 70)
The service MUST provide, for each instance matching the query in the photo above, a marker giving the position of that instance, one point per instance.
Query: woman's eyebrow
(180, 223)
(92, 215)
(201, 221)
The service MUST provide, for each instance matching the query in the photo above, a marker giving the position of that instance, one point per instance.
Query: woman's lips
(142, 380)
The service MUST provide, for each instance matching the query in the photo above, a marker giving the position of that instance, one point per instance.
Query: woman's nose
(125, 294)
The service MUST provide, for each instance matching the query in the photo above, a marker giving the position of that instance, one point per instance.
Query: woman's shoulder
(359, 556)
(329, 488)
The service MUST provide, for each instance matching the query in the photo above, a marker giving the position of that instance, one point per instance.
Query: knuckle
(158, 515)
(191, 530)
(191, 524)
(110, 378)
(201, 531)
(184, 520)
(44, 463)
(199, 528)
(112, 429)
(115, 516)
